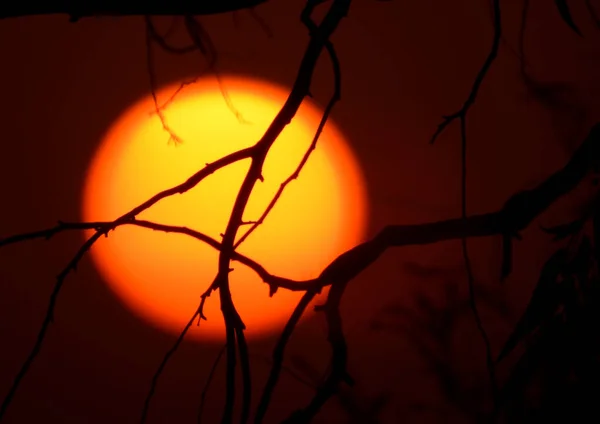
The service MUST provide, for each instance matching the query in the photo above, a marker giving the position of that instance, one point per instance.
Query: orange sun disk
(160, 276)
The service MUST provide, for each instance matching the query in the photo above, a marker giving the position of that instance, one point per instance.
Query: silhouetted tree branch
(461, 115)
(97, 8)
(518, 212)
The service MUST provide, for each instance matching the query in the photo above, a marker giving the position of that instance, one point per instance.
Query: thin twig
(461, 115)
(48, 319)
(202, 40)
(261, 22)
(522, 30)
(211, 374)
(181, 188)
(154, 383)
(103, 8)
(478, 78)
(246, 377)
(300, 89)
(150, 37)
(161, 40)
(279, 353)
(291, 372)
(470, 278)
(163, 364)
(517, 214)
(333, 100)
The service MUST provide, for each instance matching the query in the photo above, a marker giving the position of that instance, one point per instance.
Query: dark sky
(404, 65)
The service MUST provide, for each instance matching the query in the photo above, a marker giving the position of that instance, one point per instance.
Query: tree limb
(518, 212)
(77, 9)
(301, 88)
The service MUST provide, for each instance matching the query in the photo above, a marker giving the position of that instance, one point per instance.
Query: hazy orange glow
(160, 276)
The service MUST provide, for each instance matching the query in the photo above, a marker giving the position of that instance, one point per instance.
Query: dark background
(404, 65)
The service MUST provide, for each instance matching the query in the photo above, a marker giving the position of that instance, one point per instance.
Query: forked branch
(517, 214)
(97, 8)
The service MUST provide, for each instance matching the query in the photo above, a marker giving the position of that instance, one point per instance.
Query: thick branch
(77, 9)
(233, 323)
(328, 109)
(72, 265)
(278, 355)
(518, 212)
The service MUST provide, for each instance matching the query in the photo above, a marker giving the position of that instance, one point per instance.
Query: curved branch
(48, 319)
(165, 361)
(337, 90)
(97, 8)
(234, 325)
(517, 214)
(209, 379)
(461, 115)
(72, 265)
(479, 78)
(279, 353)
(162, 41)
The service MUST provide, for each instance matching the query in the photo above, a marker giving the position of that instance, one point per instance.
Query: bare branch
(272, 280)
(96, 8)
(181, 188)
(300, 89)
(479, 78)
(517, 214)
(261, 22)
(467, 261)
(201, 42)
(151, 36)
(211, 374)
(462, 116)
(168, 356)
(48, 319)
(334, 99)
(519, 211)
(161, 40)
(279, 353)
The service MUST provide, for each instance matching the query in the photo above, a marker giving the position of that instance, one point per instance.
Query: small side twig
(279, 353)
(517, 214)
(211, 374)
(335, 97)
(163, 364)
(100, 231)
(48, 319)
(462, 112)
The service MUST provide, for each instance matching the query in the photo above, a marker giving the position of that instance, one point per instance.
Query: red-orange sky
(404, 65)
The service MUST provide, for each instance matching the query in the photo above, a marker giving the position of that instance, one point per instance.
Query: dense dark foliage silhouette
(559, 326)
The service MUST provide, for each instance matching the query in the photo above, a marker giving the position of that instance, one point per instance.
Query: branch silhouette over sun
(518, 213)
(328, 204)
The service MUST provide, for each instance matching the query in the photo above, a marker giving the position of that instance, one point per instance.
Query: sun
(160, 276)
